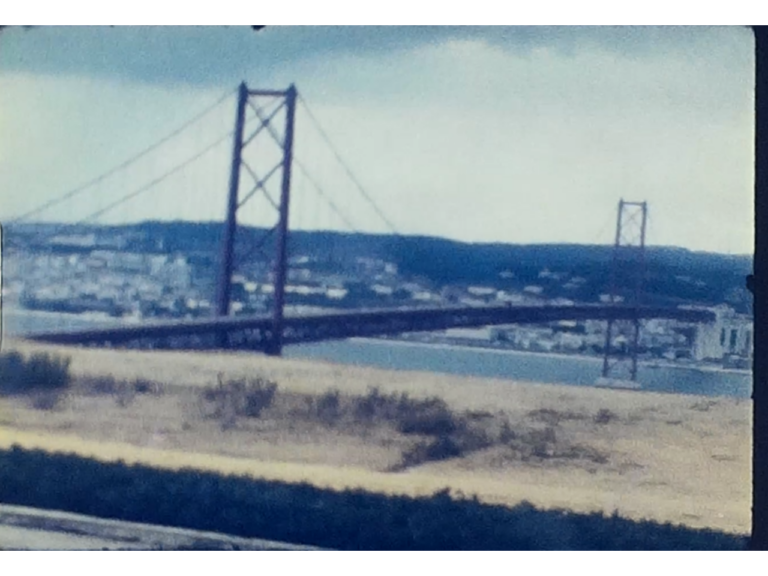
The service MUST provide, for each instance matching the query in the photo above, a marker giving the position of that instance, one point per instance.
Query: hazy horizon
(426, 236)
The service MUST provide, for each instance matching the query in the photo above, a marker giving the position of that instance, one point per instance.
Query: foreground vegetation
(422, 429)
(303, 514)
(435, 431)
(42, 377)
(38, 372)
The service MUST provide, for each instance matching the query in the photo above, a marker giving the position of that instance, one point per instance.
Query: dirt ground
(670, 458)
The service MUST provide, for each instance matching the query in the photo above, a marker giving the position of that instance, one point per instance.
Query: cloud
(497, 135)
(216, 55)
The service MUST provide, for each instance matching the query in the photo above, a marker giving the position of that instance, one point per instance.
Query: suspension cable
(133, 159)
(346, 168)
(142, 189)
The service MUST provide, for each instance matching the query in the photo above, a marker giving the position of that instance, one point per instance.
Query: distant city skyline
(519, 135)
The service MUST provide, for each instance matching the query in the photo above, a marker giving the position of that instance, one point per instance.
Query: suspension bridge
(263, 155)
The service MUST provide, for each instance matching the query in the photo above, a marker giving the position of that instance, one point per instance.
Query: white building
(471, 302)
(304, 290)
(729, 334)
(546, 273)
(175, 273)
(423, 296)
(156, 263)
(510, 297)
(477, 334)
(129, 262)
(74, 240)
(299, 275)
(606, 298)
(336, 293)
(481, 291)
(569, 341)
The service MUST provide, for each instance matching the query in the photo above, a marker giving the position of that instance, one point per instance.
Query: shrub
(41, 371)
(507, 434)
(328, 406)
(12, 372)
(440, 448)
(125, 394)
(368, 407)
(235, 398)
(540, 443)
(142, 386)
(46, 400)
(103, 384)
(259, 395)
(604, 416)
(430, 417)
(377, 406)
(47, 371)
(124, 391)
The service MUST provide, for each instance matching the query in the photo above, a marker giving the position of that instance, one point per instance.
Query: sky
(502, 134)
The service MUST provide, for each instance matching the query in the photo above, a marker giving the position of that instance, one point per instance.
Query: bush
(125, 394)
(46, 400)
(100, 384)
(12, 372)
(142, 386)
(259, 396)
(371, 406)
(541, 443)
(124, 391)
(430, 417)
(235, 398)
(41, 371)
(441, 448)
(604, 416)
(328, 406)
(507, 434)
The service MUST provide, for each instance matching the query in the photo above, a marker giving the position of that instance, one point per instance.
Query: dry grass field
(664, 457)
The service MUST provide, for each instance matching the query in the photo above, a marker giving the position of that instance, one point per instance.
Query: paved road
(16, 538)
(23, 528)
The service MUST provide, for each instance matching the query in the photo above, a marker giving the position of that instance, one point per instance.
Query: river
(465, 361)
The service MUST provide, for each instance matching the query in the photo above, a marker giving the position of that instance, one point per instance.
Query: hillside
(574, 271)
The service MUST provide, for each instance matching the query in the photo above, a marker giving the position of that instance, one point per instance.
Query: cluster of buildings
(145, 285)
(104, 281)
(83, 274)
(727, 342)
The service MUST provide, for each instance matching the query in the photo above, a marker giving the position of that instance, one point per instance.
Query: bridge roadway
(255, 332)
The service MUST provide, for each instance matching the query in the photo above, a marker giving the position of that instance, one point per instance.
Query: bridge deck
(255, 331)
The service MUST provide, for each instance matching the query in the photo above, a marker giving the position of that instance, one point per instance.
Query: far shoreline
(558, 355)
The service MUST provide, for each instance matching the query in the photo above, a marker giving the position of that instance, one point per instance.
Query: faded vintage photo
(376, 288)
